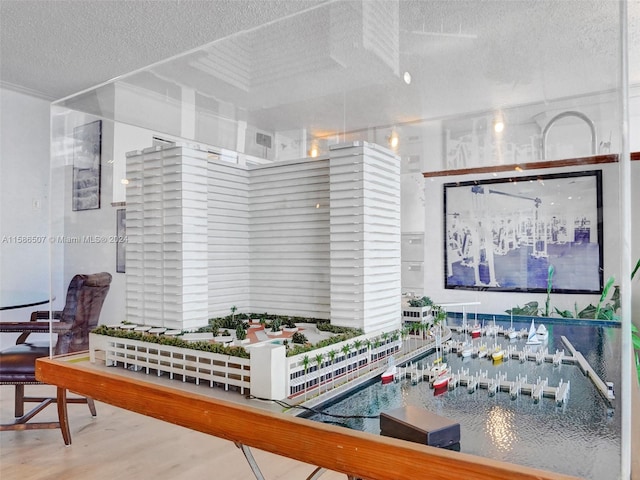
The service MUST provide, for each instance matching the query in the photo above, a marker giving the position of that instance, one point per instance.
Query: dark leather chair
(85, 297)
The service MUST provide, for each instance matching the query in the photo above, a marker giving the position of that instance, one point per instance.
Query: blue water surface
(580, 437)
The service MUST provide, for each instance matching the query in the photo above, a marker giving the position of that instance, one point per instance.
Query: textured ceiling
(339, 65)
(56, 48)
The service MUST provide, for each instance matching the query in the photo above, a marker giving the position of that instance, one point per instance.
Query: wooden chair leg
(19, 401)
(92, 407)
(63, 417)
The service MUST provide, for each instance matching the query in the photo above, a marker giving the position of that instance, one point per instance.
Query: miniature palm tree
(319, 357)
(346, 348)
(385, 339)
(305, 363)
(376, 345)
(367, 342)
(425, 330)
(405, 332)
(357, 344)
(332, 355)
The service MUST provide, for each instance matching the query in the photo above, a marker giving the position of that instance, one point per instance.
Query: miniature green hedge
(172, 341)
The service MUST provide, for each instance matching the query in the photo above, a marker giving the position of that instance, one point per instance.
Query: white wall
(24, 199)
(24, 191)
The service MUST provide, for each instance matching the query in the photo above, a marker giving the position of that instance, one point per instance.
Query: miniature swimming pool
(581, 437)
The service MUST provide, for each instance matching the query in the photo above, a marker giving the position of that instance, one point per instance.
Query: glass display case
(300, 168)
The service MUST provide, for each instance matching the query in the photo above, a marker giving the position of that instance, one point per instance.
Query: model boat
(532, 338)
(467, 350)
(476, 332)
(441, 382)
(542, 333)
(439, 368)
(498, 355)
(511, 332)
(390, 373)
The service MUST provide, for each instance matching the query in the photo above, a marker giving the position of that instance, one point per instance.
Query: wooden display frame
(356, 454)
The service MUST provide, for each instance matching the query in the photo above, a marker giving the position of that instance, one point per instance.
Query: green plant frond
(564, 313)
(588, 312)
(607, 287)
(615, 298)
(635, 270)
(607, 313)
(528, 309)
(603, 296)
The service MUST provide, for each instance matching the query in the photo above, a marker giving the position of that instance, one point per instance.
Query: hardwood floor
(122, 445)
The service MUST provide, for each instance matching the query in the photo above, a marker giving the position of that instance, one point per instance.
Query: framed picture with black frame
(503, 234)
(87, 150)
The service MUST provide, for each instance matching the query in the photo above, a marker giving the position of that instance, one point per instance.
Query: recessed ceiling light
(407, 78)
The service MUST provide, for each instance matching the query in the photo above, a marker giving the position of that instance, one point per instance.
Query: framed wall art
(503, 234)
(87, 148)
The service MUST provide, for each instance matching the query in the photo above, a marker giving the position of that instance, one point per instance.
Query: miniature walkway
(589, 372)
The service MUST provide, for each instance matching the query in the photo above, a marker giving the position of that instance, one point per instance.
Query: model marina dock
(498, 382)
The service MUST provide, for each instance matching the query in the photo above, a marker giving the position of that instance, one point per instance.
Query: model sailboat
(533, 339)
(439, 366)
(511, 332)
(498, 354)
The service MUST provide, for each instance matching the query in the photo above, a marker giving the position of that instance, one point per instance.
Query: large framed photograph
(504, 234)
(86, 166)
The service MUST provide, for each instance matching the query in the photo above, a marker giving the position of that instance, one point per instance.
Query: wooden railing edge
(521, 167)
(359, 454)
